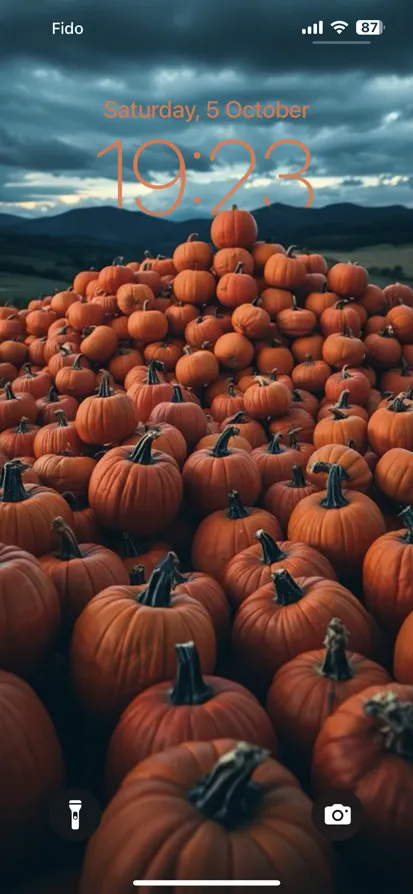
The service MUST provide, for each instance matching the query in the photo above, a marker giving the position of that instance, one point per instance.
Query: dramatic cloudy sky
(359, 127)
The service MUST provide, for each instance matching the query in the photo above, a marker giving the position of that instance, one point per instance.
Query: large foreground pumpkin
(287, 617)
(136, 490)
(124, 641)
(210, 810)
(366, 747)
(341, 524)
(29, 607)
(31, 768)
(191, 708)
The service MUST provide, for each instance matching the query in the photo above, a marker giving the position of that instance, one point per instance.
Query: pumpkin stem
(153, 366)
(396, 722)
(61, 418)
(292, 435)
(13, 488)
(335, 664)
(221, 447)
(177, 395)
(297, 477)
(9, 392)
(76, 362)
(137, 576)
(72, 501)
(407, 517)
(236, 509)
(409, 393)
(239, 268)
(69, 547)
(157, 593)
(28, 368)
(129, 547)
(270, 551)
(337, 414)
(23, 428)
(406, 369)
(291, 250)
(345, 373)
(231, 389)
(241, 416)
(286, 588)
(398, 405)
(334, 498)
(309, 360)
(274, 445)
(297, 398)
(53, 395)
(104, 387)
(226, 794)
(192, 237)
(342, 403)
(142, 452)
(189, 687)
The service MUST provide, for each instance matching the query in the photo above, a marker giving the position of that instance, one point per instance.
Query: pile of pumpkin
(207, 471)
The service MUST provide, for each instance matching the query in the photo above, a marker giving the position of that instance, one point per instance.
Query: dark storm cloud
(42, 155)
(256, 35)
(53, 89)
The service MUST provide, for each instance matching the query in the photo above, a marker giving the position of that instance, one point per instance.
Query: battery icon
(369, 27)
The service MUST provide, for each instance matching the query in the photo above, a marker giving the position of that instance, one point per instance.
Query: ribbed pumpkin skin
(151, 723)
(31, 769)
(300, 698)
(140, 647)
(189, 846)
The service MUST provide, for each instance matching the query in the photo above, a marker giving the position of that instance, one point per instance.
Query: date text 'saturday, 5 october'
(213, 109)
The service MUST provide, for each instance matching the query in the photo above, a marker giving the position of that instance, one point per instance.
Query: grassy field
(385, 263)
(20, 289)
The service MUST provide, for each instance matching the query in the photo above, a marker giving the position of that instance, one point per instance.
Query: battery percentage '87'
(369, 26)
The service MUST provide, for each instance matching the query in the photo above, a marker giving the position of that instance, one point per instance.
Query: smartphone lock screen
(206, 446)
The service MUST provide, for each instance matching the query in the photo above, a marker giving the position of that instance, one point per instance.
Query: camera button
(337, 814)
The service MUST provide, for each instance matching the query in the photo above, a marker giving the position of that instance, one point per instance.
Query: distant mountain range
(333, 226)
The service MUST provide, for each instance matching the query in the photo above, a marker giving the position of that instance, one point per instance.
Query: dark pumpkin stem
(189, 688)
(28, 368)
(297, 399)
(177, 397)
(53, 395)
(297, 476)
(270, 551)
(9, 392)
(69, 547)
(130, 548)
(407, 517)
(241, 416)
(409, 393)
(287, 590)
(13, 488)
(334, 498)
(76, 362)
(345, 373)
(137, 576)
(142, 452)
(236, 509)
(157, 593)
(395, 722)
(274, 446)
(337, 414)
(221, 448)
(153, 366)
(226, 794)
(61, 419)
(23, 428)
(342, 403)
(398, 405)
(104, 387)
(292, 435)
(335, 664)
(75, 504)
(309, 360)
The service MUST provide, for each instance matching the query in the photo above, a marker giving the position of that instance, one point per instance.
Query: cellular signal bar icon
(313, 29)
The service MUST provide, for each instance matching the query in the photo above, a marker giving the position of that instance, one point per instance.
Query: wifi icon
(339, 27)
